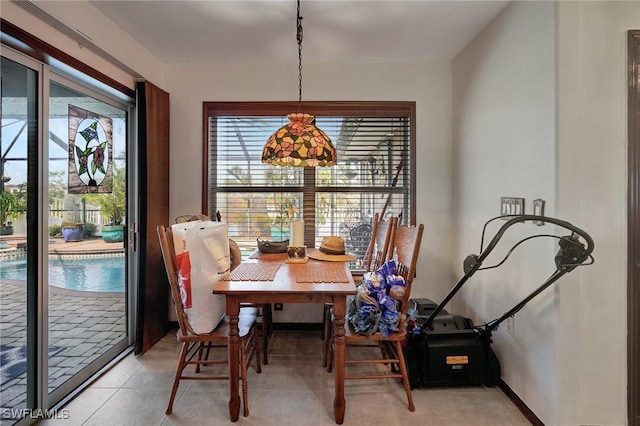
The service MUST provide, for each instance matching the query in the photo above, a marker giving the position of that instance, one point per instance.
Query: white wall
(591, 187)
(504, 139)
(540, 112)
(427, 84)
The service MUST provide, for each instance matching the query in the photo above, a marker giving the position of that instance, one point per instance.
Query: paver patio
(82, 325)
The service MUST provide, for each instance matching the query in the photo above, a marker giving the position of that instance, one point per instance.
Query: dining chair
(378, 250)
(195, 344)
(358, 239)
(376, 255)
(404, 249)
(264, 310)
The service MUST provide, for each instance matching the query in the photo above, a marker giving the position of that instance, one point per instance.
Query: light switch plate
(511, 206)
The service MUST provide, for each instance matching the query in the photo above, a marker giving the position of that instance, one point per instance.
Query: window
(375, 142)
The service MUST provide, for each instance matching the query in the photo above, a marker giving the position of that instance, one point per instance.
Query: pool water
(101, 274)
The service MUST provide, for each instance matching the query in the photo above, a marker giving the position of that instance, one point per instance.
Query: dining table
(267, 278)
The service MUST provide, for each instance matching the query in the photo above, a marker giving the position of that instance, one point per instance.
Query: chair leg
(323, 335)
(256, 348)
(200, 351)
(405, 375)
(176, 380)
(330, 354)
(326, 336)
(267, 331)
(269, 315)
(265, 347)
(206, 355)
(243, 377)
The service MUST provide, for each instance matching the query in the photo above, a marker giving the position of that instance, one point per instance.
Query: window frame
(370, 109)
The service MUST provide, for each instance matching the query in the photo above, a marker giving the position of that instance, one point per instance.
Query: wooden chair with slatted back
(376, 255)
(194, 343)
(404, 248)
(380, 243)
(264, 310)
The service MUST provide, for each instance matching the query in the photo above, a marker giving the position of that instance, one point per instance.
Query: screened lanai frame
(376, 149)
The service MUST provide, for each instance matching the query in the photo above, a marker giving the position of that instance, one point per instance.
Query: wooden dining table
(269, 278)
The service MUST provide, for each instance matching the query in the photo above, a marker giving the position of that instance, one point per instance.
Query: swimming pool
(101, 274)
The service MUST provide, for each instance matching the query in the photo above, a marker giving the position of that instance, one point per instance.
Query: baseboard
(526, 411)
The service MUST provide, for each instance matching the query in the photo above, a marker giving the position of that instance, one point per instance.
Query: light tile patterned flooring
(292, 389)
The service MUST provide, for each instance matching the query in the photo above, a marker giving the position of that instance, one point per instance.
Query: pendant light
(299, 143)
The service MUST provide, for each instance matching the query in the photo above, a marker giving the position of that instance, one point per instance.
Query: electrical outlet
(511, 326)
(277, 306)
(538, 210)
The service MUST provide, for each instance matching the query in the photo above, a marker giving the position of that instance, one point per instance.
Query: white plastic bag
(202, 254)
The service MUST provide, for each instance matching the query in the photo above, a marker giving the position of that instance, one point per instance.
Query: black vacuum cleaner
(447, 349)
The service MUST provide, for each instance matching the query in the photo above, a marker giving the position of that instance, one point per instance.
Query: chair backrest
(191, 217)
(359, 240)
(234, 254)
(377, 252)
(386, 230)
(405, 248)
(169, 256)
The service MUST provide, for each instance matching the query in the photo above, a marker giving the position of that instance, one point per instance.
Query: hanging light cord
(299, 39)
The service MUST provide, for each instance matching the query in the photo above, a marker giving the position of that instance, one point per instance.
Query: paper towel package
(202, 255)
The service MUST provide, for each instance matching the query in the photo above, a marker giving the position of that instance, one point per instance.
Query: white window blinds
(375, 153)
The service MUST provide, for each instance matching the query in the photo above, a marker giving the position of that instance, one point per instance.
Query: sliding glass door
(65, 296)
(18, 201)
(87, 254)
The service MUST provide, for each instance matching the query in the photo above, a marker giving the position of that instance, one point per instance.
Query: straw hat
(331, 249)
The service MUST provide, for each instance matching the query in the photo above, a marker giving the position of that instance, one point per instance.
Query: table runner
(253, 272)
(328, 272)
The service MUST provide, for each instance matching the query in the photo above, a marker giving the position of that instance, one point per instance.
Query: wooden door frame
(152, 322)
(633, 231)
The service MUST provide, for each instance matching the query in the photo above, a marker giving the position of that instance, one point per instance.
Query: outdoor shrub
(54, 230)
(90, 230)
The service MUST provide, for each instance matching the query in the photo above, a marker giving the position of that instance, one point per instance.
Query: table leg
(339, 311)
(233, 309)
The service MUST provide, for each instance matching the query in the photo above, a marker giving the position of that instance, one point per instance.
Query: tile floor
(293, 388)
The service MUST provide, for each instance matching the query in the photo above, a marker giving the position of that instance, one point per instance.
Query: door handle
(133, 237)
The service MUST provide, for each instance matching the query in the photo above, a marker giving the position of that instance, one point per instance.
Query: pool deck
(57, 246)
(82, 325)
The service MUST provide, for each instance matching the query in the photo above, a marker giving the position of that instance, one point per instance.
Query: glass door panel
(87, 283)
(19, 122)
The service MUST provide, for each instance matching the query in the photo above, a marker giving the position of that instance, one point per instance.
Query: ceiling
(343, 31)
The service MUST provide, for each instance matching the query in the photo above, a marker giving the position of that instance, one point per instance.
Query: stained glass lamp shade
(299, 144)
